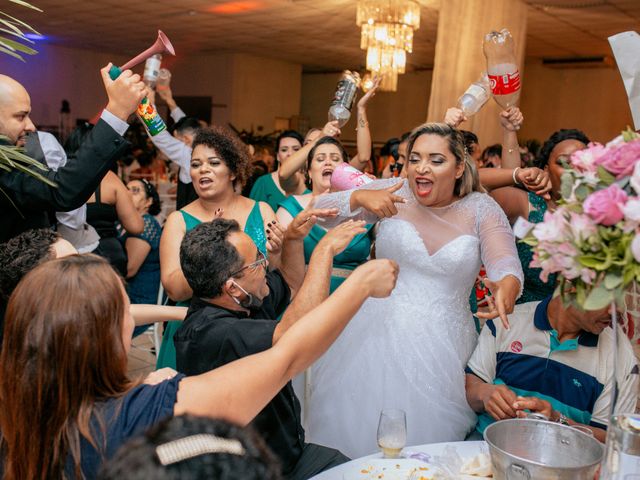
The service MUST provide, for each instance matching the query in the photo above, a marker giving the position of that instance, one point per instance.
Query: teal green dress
(355, 254)
(266, 190)
(255, 229)
(534, 288)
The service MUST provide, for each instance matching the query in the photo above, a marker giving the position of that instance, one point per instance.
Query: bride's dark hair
(470, 180)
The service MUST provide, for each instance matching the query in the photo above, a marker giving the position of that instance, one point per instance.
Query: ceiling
(320, 34)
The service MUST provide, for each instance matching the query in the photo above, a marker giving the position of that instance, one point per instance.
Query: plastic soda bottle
(164, 79)
(146, 111)
(151, 70)
(473, 99)
(344, 97)
(502, 67)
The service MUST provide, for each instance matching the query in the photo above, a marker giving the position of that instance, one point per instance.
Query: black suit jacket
(25, 201)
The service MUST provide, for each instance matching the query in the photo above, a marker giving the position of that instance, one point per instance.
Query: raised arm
(363, 134)
(239, 390)
(173, 280)
(298, 159)
(315, 288)
(80, 176)
(533, 179)
(500, 258)
(511, 121)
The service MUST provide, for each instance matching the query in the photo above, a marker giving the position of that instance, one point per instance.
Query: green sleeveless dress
(534, 289)
(255, 229)
(355, 254)
(266, 190)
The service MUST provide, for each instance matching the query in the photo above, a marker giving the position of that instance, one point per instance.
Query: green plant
(16, 28)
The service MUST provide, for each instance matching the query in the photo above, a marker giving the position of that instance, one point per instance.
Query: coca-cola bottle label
(505, 84)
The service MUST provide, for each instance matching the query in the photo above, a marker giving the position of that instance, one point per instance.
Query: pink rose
(621, 160)
(587, 160)
(605, 206)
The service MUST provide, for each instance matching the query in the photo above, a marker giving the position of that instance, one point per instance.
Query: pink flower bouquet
(592, 240)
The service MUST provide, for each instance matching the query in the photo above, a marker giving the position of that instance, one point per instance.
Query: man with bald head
(26, 201)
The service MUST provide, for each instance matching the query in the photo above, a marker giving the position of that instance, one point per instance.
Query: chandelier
(387, 36)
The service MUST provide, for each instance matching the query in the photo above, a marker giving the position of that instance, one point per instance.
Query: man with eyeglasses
(235, 309)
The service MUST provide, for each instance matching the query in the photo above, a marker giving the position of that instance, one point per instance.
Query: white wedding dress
(409, 350)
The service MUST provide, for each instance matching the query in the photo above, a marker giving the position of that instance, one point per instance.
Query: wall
(246, 90)
(389, 114)
(264, 89)
(592, 99)
(58, 73)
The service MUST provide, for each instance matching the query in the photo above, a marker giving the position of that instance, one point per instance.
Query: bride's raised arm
(500, 258)
(369, 202)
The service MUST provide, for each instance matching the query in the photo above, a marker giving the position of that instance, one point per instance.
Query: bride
(409, 351)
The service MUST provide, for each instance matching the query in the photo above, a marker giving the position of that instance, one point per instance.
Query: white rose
(631, 210)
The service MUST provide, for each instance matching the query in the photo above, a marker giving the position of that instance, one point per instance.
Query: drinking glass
(392, 432)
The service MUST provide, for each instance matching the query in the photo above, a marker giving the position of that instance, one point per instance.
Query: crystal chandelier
(387, 36)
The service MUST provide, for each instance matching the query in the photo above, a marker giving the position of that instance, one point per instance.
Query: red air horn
(162, 45)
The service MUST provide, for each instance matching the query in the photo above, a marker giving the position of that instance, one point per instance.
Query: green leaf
(20, 22)
(612, 280)
(592, 261)
(10, 52)
(25, 4)
(566, 185)
(11, 26)
(605, 176)
(629, 135)
(17, 46)
(598, 298)
(582, 192)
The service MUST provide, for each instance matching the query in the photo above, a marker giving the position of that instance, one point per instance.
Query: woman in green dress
(323, 158)
(219, 165)
(268, 188)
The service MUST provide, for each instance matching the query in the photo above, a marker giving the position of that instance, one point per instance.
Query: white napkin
(626, 49)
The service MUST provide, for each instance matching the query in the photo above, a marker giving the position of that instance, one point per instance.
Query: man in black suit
(26, 201)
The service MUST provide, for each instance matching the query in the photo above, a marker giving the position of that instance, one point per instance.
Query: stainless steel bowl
(524, 449)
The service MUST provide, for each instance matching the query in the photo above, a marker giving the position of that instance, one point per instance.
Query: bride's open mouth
(423, 186)
(326, 173)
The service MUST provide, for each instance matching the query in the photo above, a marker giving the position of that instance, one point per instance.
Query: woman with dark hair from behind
(143, 251)
(194, 448)
(111, 203)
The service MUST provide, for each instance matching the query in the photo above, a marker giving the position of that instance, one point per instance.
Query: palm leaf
(14, 27)
(12, 158)
(25, 4)
(15, 46)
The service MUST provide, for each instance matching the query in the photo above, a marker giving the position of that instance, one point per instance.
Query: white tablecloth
(464, 449)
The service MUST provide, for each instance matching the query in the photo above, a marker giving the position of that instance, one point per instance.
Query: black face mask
(251, 302)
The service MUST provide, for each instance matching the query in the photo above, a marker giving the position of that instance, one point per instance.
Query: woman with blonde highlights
(438, 225)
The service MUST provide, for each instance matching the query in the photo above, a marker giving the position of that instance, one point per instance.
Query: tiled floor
(141, 357)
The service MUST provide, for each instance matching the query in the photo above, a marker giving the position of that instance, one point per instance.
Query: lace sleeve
(342, 200)
(497, 242)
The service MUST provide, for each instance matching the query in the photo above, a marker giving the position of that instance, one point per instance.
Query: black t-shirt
(212, 336)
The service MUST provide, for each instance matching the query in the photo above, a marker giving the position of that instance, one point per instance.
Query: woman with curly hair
(220, 166)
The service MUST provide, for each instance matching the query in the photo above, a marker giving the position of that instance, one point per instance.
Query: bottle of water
(151, 70)
(344, 97)
(473, 99)
(502, 68)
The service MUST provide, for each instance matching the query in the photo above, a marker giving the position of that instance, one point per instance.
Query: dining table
(423, 457)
